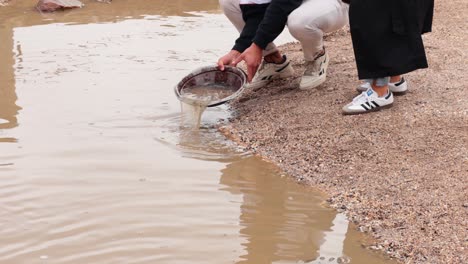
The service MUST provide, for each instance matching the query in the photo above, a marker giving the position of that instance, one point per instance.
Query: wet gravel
(400, 174)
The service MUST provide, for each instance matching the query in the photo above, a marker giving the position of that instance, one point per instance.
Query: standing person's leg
(308, 24)
(386, 42)
(377, 96)
(397, 85)
(377, 51)
(380, 86)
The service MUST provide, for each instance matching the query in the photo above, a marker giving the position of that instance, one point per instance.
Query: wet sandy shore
(400, 174)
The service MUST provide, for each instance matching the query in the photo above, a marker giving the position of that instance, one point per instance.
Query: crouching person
(261, 21)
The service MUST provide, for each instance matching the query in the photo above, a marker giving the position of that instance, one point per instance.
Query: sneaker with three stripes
(368, 101)
(270, 71)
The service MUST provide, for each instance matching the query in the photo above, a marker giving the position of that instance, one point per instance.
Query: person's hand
(252, 57)
(228, 59)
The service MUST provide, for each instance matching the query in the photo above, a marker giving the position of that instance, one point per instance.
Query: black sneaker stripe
(376, 104)
(389, 94)
(284, 67)
(402, 81)
(365, 107)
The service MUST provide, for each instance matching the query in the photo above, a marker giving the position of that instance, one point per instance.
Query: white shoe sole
(311, 85)
(350, 112)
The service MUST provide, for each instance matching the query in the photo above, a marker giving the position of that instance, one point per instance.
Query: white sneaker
(368, 101)
(315, 73)
(270, 71)
(398, 88)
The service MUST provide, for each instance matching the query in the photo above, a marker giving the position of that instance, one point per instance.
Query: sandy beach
(400, 174)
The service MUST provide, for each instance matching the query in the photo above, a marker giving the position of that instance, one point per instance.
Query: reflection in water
(280, 220)
(286, 223)
(8, 107)
(331, 249)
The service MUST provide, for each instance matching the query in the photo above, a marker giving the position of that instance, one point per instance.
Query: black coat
(386, 35)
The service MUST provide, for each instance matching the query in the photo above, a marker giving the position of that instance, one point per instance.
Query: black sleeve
(253, 15)
(274, 21)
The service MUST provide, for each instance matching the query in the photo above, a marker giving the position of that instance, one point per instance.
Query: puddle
(95, 167)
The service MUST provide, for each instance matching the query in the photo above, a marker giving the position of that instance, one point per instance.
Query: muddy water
(195, 100)
(206, 94)
(95, 168)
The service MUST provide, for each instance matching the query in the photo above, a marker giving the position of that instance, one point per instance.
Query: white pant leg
(312, 19)
(231, 9)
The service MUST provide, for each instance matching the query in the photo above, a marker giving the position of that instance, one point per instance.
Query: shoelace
(364, 97)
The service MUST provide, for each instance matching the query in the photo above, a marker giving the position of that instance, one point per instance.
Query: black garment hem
(363, 74)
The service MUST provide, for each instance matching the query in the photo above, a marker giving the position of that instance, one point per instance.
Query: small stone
(54, 5)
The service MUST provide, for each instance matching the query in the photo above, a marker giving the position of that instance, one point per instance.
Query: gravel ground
(400, 174)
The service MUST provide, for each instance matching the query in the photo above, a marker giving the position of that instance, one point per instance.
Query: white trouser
(307, 23)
